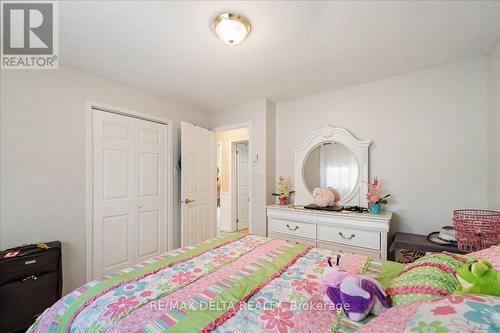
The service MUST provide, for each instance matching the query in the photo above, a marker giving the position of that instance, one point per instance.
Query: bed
(234, 283)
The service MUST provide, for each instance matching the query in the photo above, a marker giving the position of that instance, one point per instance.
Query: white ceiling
(295, 49)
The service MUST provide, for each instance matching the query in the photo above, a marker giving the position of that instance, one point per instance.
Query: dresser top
(384, 215)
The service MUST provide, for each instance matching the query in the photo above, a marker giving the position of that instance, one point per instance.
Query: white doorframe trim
(89, 174)
(248, 125)
(232, 173)
(217, 145)
(218, 154)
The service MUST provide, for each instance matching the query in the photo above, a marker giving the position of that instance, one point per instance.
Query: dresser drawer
(293, 228)
(293, 215)
(294, 240)
(350, 237)
(347, 249)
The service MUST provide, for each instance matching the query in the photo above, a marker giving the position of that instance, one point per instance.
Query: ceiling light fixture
(231, 28)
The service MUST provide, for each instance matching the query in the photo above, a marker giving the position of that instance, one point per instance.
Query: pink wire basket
(476, 229)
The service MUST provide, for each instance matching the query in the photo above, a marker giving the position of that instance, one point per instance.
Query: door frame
(233, 162)
(169, 179)
(218, 153)
(250, 164)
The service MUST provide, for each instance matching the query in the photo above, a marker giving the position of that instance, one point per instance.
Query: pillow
(467, 313)
(382, 270)
(492, 254)
(429, 277)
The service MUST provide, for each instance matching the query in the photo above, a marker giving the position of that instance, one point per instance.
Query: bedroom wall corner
(494, 127)
(254, 113)
(270, 152)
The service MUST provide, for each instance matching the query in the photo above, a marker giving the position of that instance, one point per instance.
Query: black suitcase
(30, 282)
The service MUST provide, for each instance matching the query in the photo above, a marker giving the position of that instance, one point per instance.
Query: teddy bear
(356, 295)
(324, 197)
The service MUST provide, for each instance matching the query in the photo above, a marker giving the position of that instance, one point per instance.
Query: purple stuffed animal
(357, 295)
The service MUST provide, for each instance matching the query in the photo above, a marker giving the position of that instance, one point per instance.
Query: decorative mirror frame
(333, 134)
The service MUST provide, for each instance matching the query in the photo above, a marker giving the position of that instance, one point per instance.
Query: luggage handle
(23, 250)
(39, 245)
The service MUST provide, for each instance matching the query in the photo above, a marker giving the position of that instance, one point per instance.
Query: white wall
(260, 115)
(270, 151)
(429, 138)
(43, 147)
(494, 128)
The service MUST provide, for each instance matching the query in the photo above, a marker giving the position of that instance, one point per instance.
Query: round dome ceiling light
(231, 28)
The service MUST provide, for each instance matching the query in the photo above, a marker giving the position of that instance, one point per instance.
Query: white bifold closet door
(129, 199)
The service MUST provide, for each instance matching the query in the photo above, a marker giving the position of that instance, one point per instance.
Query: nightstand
(406, 248)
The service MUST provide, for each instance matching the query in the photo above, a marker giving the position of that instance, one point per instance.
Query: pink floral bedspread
(290, 300)
(272, 286)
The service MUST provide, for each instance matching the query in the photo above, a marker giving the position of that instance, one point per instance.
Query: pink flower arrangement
(373, 193)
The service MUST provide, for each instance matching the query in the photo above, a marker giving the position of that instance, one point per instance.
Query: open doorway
(240, 184)
(233, 179)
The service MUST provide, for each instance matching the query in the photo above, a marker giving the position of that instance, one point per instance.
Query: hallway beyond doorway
(233, 185)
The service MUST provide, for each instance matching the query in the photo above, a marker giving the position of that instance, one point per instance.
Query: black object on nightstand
(30, 282)
(406, 248)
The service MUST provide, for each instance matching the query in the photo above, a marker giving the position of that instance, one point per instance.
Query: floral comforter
(236, 283)
(233, 284)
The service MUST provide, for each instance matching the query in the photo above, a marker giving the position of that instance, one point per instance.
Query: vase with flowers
(283, 190)
(375, 200)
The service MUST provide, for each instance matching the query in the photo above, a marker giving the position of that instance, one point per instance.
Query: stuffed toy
(335, 193)
(324, 197)
(478, 278)
(357, 295)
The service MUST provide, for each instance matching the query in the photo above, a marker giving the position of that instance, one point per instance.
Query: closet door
(129, 207)
(151, 160)
(114, 189)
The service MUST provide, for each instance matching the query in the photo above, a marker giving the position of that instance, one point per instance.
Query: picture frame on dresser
(317, 163)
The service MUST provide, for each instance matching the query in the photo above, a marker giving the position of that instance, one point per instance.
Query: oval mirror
(331, 164)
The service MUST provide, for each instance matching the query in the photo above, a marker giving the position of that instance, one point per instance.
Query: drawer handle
(292, 229)
(31, 277)
(346, 237)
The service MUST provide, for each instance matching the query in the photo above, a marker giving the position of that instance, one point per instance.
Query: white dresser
(361, 233)
(332, 157)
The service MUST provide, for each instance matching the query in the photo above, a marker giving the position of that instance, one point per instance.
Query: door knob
(139, 205)
(187, 201)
